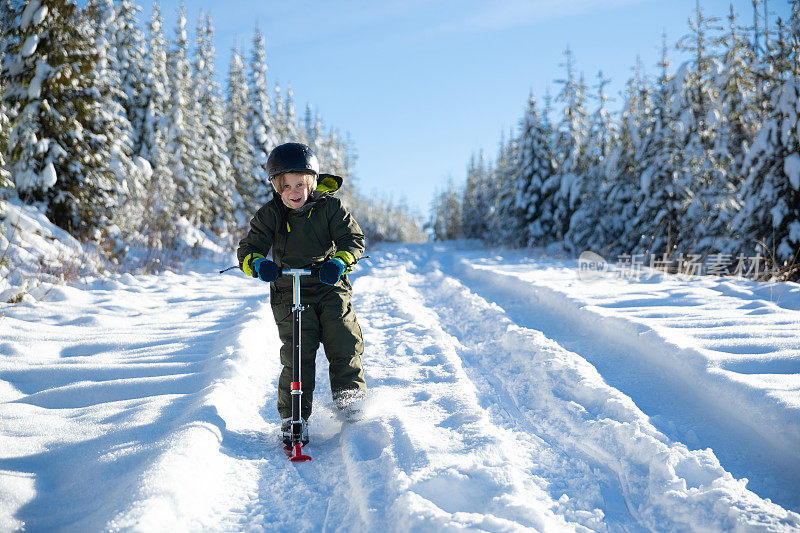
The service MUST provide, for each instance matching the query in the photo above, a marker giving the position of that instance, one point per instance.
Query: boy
(305, 225)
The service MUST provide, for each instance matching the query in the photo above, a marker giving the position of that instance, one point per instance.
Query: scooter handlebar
(313, 271)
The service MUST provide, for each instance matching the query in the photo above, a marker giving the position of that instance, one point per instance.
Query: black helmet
(291, 157)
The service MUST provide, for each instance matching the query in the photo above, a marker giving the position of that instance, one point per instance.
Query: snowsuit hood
(328, 183)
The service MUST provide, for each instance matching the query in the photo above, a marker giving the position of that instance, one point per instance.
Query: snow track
(563, 398)
(686, 387)
(498, 402)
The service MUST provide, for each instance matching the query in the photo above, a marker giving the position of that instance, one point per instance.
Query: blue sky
(421, 85)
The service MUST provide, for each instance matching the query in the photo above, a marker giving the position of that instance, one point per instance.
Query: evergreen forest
(118, 129)
(701, 162)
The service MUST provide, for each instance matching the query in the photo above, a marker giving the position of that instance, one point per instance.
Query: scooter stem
(296, 273)
(297, 384)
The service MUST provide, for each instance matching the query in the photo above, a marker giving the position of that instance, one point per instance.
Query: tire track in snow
(428, 455)
(280, 495)
(644, 366)
(423, 457)
(667, 486)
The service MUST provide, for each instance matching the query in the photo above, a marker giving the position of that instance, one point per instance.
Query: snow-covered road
(505, 394)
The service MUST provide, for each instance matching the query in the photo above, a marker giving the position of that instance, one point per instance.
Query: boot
(350, 403)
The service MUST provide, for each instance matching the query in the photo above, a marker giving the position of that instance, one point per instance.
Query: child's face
(295, 191)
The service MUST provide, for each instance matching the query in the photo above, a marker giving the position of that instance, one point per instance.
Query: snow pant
(329, 319)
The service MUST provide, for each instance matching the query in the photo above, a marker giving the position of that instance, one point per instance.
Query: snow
(794, 231)
(35, 87)
(40, 15)
(505, 394)
(48, 177)
(645, 180)
(791, 166)
(37, 249)
(145, 169)
(29, 46)
(30, 13)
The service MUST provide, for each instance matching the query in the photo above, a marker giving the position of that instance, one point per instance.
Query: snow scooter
(294, 449)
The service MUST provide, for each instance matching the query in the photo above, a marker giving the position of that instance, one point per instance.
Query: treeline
(116, 131)
(703, 159)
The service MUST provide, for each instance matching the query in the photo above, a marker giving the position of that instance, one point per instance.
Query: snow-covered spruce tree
(475, 205)
(778, 56)
(733, 133)
(25, 70)
(59, 144)
(336, 156)
(240, 151)
(7, 13)
(662, 194)
(102, 17)
(342, 165)
(769, 221)
(446, 217)
(158, 203)
(260, 129)
(127, 39)
(488, 197)
(411, 227)
(793, 38)
(756, 27)
(312, 128)
(6, 183)
(158, 229)
(333, 152)
(470, 215)
(383, 219)
(156, 91)
(280, 119)
(625, 164)
(217, 197)
(570, 151)
(535, 169)
(5, 126)
(701, 114)
(763, 61)
(190, 169)
(504, 218)
(737, 85)
(590, 191)
(601, 126)
(290, 116)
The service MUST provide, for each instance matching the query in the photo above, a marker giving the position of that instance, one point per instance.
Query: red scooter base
(294, 453)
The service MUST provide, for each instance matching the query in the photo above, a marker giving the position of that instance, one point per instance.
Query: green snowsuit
(301, 238)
